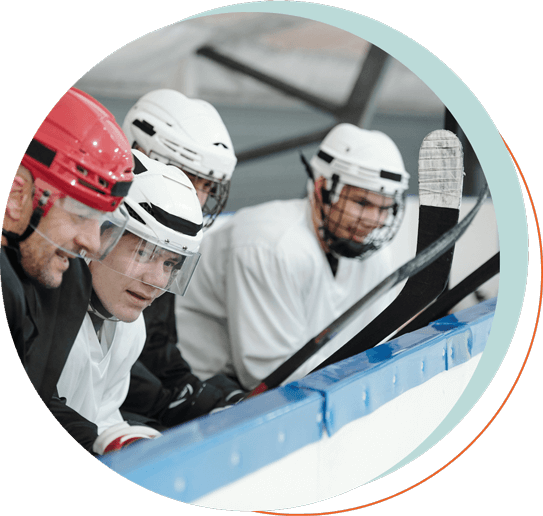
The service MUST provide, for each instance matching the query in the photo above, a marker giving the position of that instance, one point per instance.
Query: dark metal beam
(285, 145)
(352, 111)
(364, 87)
(283, 87)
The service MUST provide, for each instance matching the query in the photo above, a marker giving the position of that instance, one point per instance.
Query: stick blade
(441, 170)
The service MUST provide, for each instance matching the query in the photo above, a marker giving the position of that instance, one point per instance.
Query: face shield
(157, 267)
(212, 195)
(77, 229)
(357, 222)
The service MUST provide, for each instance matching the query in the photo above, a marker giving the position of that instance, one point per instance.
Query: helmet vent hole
(147, 207)
(133, 214)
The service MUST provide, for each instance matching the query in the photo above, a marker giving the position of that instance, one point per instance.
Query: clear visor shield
(79, 230)
(358, 222)
(154, 268)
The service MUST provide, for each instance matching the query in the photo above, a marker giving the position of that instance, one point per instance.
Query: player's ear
(319, 183)
(19, 197)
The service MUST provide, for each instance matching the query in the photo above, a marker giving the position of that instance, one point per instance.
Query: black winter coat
(44, 324)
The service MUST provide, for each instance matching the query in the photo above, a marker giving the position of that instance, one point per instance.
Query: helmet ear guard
(325, 194)
(328, 194)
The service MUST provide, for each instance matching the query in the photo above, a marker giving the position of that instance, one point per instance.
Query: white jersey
(96, 376)
(263, 288)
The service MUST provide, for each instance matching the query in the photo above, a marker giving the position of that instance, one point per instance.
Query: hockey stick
(421, 288)
(440, 192)
(449, 299)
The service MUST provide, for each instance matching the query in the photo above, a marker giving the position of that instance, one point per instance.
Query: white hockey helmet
(370, 161)
(362, 158)
(189, 134)
(165, 220)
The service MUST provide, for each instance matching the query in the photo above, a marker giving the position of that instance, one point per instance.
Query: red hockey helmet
(81, 152)
(82, 163)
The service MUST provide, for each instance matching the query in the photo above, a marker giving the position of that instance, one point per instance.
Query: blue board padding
(361, 384)
(203, 455)
(470, 328)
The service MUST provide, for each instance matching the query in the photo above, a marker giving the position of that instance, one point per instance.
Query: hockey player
(190, 135)
(156, 254)
(277, 274)
(71, 181)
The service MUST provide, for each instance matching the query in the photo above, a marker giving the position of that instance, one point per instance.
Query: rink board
(309, 422)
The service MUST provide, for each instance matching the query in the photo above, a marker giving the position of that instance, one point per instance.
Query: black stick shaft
(451, 298)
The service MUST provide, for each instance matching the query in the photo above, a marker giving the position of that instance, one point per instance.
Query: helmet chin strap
(14, 239)
(97, 309)
(343, 247)
(99, 315)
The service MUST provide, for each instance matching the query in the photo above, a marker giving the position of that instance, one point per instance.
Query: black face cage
(339, 227)
(215, 202)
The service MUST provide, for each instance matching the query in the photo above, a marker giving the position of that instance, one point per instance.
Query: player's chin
(347, 248)
(126, 313)
(127, 302)
(352, 236)
(51, 278)
(52, 275)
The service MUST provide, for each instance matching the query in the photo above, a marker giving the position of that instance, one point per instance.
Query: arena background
(280, 82)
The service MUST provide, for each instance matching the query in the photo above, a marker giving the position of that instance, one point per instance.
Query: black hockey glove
(197, 398)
